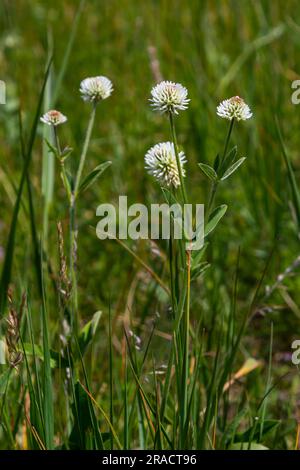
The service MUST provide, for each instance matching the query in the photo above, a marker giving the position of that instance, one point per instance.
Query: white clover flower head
(234, 108)
(53, 118)
(161, 163)
(169, 97)
(94, 89)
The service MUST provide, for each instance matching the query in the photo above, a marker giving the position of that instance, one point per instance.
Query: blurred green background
(216, 49)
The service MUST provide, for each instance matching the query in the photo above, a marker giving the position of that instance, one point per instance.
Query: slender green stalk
(73, 228)
(171, 267)
(85, 149)
(48, 408)
(268, 384)
(183, 339)
(111, 411)
(212, 195)
(73, 251)
(174, 138)
(126, 420)
(56, 139)
(174, 309)
(62, 163)
(227, 142)
(74, 319)
(215, 184)
(183, 421)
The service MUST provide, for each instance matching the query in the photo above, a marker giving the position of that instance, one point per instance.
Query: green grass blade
(64, 65)
(9, 252)
(291, 176)
(47, 383)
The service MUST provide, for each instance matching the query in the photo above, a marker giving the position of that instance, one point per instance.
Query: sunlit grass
(125, 344)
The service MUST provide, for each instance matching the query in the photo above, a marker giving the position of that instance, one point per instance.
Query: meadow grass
(142, 344)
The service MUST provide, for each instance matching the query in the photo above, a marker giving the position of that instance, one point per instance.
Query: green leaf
(169, 196)
(215, 218)
(48, 162)
(231, 155)
(198, 266)
(228, 160)
(93, 176)
(84, 419)
(198, 270)
(217, 163)
(88, 331)
(233, 168)
(70, 178)
(66, 152)
(208, 171)
(51, 148)
(197, 256)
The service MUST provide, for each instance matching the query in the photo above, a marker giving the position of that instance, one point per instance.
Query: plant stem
(73, 251)
(62, 164)
(171, 267)
(184, 424)
(56, 139)
(73, 228)
(227, 142)
(215, 184)
(65, 179)
(71, 198)
(84, 149)
(183, 339)
(174, 138)
(211, 198)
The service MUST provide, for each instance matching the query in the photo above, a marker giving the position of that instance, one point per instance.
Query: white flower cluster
(161, 163)
(234, 108)
(53, 118)
(94, 89)
(169, 97)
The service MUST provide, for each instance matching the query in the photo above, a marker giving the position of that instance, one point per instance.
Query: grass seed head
(13, 321)
(65, 285)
